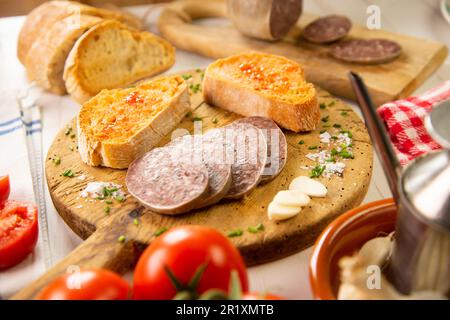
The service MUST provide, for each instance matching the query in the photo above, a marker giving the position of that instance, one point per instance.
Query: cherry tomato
(183, 250)
(18, 232)
(260, 296)
(4, 190)
(89, 284)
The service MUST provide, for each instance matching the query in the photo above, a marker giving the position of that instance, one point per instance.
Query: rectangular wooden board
(386, 82)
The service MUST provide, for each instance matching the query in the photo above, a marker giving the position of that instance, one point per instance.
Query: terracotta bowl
(344, 236)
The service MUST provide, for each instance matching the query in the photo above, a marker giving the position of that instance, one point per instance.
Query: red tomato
(260, 296)
(100, 284)
(4, 190)
(183, 250)
(18, 232)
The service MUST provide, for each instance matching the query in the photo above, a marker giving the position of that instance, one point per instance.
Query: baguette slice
(258, 84)
(47, 56)
(117, 126)
(110, 55)
(41, 18)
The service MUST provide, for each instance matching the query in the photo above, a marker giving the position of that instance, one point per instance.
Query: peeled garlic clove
(309, 186)
(376, 251)
(294, 198)
(278, 212)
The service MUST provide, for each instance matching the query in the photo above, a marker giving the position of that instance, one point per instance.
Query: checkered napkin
(404, 120)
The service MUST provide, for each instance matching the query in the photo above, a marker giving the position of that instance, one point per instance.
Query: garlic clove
(279, 212)
(295, 198)
(308, 186)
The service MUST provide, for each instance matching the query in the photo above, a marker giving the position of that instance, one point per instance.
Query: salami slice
(194, 149)
(164, 185)
(276, 145)
(372, 51)
(243, 146)
(327, 29)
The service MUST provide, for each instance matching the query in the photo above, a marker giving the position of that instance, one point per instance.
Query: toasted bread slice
(41, 18)
(47, 56)
(258, 84)
(110, 55)
(117, 126)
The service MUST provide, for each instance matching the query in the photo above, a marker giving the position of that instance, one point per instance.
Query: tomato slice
(89, 284)
(4, 190)
(18, 232)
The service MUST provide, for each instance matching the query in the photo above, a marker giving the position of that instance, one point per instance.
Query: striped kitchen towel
(404, 120)
(15, 163)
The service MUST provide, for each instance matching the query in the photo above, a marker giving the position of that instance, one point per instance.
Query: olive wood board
(386, 82)
(88, 219)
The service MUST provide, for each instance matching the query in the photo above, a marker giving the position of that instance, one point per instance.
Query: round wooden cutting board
(87, 217)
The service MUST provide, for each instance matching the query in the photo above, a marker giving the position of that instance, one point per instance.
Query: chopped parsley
(256, 229)
(312, 147)
(108, 201)
(337, 125)
(349, 134)
(331, 103)
(186, 76)
(57, 161)
(119, 198)
(301, 142)
(198, 70)
(323, 131)
(325, 119)
(136, 221)
(235, 233)
(344, 113)
(195, 87)
(68, 173)
(322, 105)
(159, 232)
(107, 209)
(317, 171)
(197, 119)
(215, 120)
(121, 239)
(73, 135)
(346, 154)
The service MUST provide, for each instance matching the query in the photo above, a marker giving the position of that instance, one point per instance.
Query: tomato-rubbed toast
(258, 84)
(117, 126)
(110, 55)
(44, 16)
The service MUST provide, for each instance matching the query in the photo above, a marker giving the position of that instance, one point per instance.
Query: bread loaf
(40, 19)
(110, 55)
(47, 56)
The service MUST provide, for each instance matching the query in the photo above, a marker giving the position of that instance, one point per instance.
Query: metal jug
(420, 260)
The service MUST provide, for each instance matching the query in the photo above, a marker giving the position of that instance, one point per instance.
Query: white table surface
(287, 277)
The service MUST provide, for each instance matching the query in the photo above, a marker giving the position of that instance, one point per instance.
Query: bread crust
(41, 18)
(119, 155)
(47, 56)
(235, 97)
(73, 71)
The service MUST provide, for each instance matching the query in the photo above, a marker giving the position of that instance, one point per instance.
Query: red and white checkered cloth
(404, 120)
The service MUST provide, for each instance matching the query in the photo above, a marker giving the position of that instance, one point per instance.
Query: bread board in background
(102, 249)
(386, 82)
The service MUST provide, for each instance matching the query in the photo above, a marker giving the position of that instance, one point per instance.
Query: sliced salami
(164, 185)
(327, 29)
(193, 149)
(244, 146)
(276, 145)
(372, 51)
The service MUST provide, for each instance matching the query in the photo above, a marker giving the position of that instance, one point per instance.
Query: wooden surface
(386, 82)
(102, 249)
